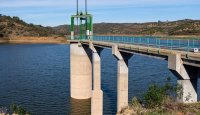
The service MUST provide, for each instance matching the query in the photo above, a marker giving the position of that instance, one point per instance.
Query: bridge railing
(149, 41)
(157, 42)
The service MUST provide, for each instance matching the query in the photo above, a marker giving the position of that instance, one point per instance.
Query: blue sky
(57, 12)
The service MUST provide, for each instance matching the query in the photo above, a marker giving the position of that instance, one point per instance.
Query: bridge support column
(97, 93)
(122, 77)
(80, 71)
(187, 78)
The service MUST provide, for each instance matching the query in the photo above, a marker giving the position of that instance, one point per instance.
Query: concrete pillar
(187, 78)
(80, 71)
(97, 93)
(122, 77)
(72, 35)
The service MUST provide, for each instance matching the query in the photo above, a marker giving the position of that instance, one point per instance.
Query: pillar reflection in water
(80, 107)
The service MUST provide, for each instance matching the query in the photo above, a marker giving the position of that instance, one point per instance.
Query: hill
(15, 27)
(11, 27)
(180, 27)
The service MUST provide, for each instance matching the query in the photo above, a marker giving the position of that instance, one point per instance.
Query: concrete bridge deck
(189, 58)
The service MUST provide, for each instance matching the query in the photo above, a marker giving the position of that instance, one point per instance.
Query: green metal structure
(85, 25)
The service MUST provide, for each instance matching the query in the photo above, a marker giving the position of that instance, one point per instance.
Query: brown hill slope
(14, 27)
(180, 27)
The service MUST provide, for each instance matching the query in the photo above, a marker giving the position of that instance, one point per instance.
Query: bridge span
(85, 67)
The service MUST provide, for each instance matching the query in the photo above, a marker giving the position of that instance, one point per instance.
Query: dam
(85, 62)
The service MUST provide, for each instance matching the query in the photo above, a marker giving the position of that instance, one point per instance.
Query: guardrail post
(131, 40)
(156, 42)
(159, 43)
(193, 43)
(188, 45)
(171, 44)
(167, 43)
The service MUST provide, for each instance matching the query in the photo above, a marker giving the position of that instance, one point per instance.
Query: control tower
(83, 24)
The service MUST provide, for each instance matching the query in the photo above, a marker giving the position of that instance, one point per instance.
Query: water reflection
(80, 107)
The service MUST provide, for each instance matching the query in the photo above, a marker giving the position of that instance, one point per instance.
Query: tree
(159, 22)
(16, 18)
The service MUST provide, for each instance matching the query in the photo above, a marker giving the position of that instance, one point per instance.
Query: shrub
(19, 110)
(135, 102)
(156, 95)
(13, 108)
(15, 18)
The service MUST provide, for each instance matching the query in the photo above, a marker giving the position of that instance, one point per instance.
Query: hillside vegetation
(11, 27)
(181, 27)
(15, 27)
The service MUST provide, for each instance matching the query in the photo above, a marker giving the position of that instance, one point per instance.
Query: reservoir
(37, 77)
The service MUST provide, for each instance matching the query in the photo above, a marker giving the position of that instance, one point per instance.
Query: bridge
(85, 61)
(85, 65)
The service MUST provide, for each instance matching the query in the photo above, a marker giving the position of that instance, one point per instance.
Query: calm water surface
(37, 77)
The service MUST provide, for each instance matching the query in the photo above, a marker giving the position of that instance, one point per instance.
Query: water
(37, 77)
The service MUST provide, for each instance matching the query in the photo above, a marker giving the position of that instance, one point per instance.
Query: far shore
(63, 40)
(34, 40)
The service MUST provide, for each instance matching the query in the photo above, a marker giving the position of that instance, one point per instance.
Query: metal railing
(149, 41)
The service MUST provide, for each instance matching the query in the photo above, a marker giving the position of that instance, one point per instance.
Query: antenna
(77, 7)
(86, 6)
